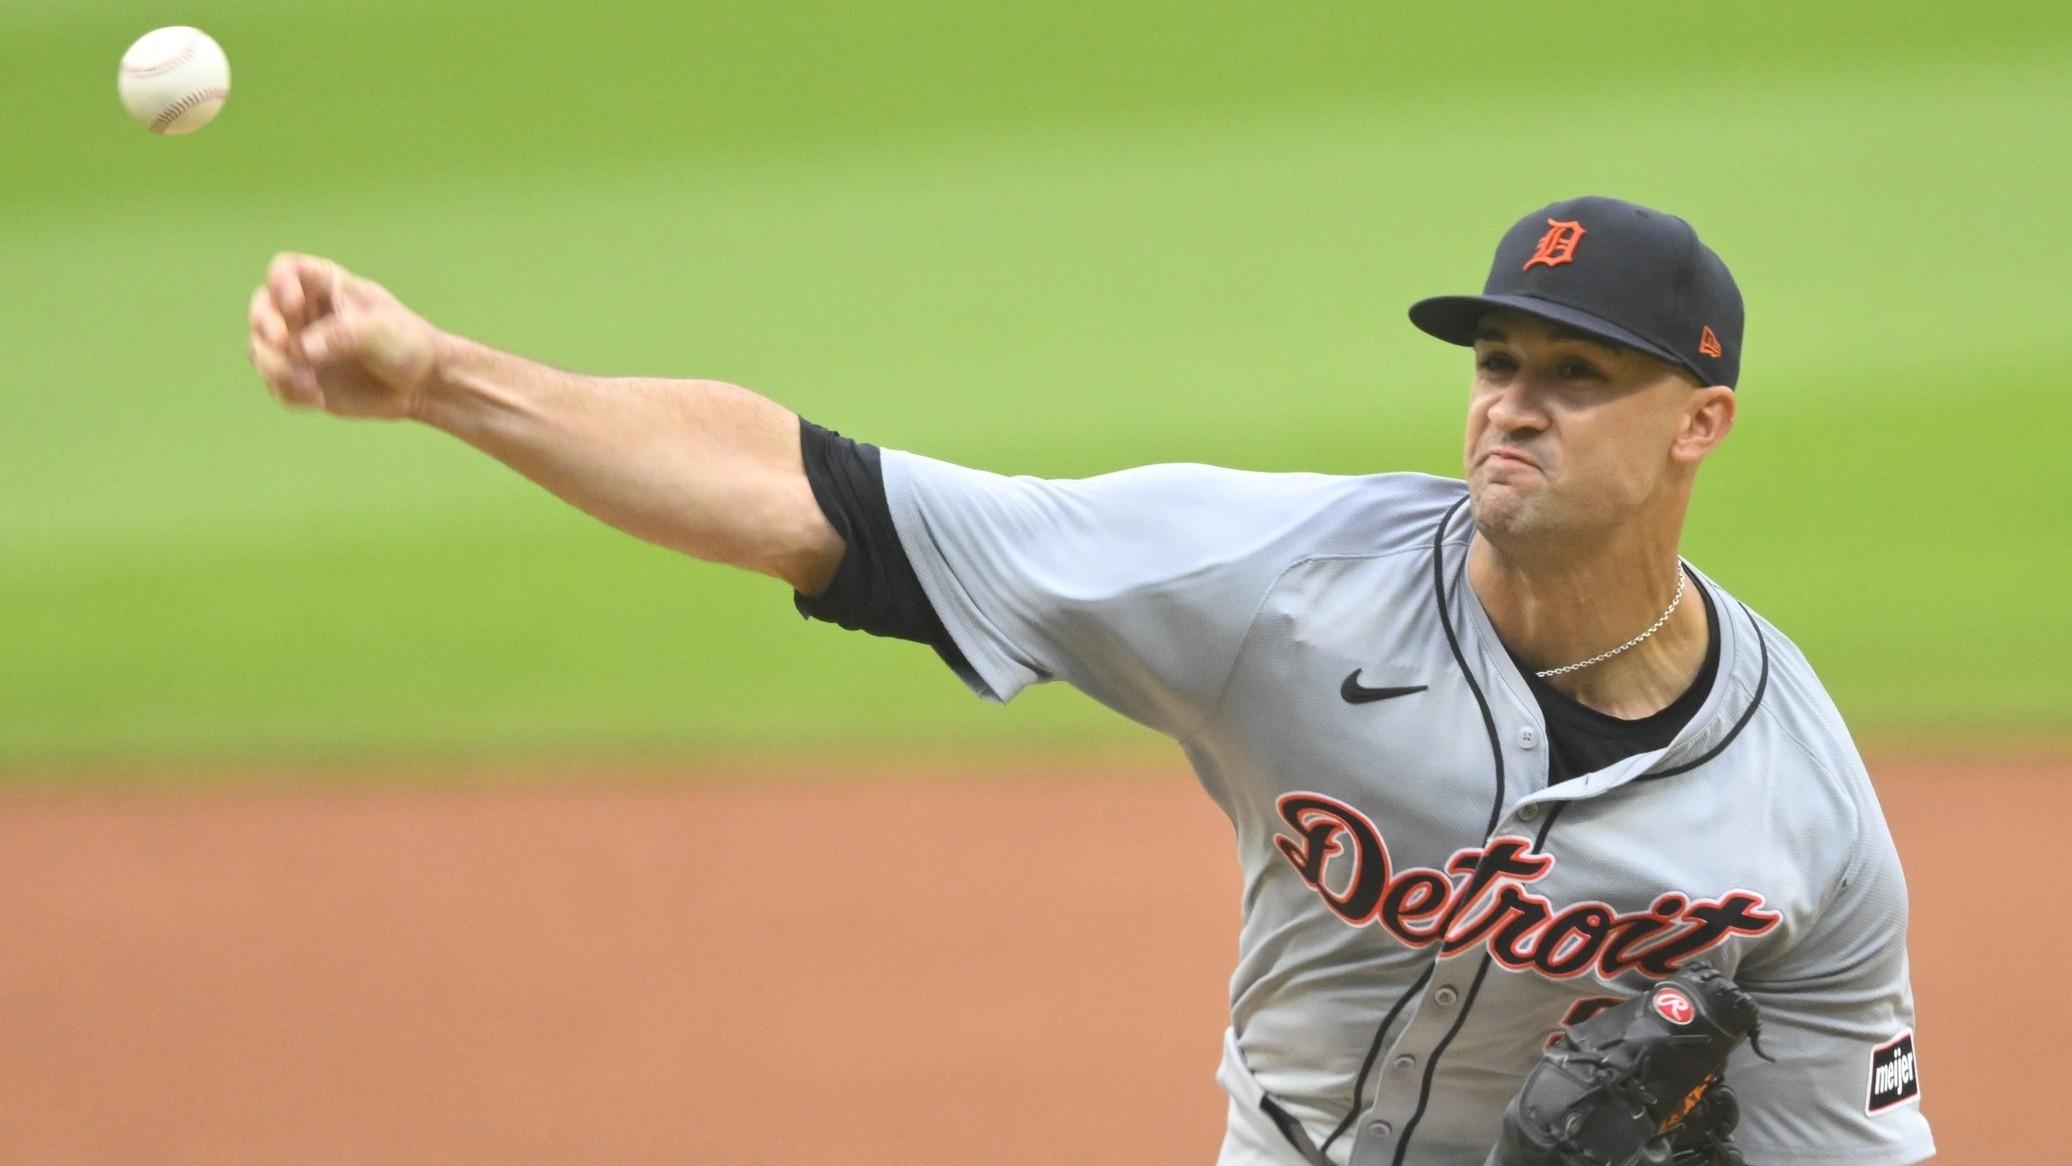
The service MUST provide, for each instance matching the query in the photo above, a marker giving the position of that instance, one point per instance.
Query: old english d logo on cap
(1558, 245)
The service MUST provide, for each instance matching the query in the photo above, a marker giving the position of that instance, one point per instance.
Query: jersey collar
(1737, 690)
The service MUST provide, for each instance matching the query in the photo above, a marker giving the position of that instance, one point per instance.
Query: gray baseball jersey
(1420, 909)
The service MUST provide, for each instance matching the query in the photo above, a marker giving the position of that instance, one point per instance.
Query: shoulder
(1334, 514)
(1798, 708)
(1811, 759)
(1306, 512)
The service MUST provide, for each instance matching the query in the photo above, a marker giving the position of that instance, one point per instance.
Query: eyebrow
(1496, 335)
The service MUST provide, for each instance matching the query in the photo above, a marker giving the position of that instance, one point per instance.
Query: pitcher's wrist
(468, 388)
(438, 400)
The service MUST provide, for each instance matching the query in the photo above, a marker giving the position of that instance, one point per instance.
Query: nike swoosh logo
(1356, 693)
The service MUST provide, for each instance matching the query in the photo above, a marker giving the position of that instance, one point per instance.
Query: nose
(1516, 407)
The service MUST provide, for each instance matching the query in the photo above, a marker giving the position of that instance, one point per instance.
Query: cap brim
(1454, 320)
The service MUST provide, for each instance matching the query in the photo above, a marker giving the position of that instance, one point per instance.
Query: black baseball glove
(1638, 1084)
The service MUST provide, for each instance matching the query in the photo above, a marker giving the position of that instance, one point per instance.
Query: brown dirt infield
(1007, 967)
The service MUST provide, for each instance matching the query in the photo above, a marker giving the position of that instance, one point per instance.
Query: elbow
(810, 566)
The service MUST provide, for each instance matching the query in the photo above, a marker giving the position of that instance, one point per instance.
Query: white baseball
(173, 80)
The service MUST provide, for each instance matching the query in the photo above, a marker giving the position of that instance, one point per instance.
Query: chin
(1504, 511)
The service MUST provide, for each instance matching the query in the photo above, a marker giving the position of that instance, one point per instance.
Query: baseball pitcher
(1553, 851)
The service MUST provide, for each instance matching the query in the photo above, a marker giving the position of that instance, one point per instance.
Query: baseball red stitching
(178, 59)
(172, 112)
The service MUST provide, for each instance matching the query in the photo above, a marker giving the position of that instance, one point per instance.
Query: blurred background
(1054, 238)
(784, 894)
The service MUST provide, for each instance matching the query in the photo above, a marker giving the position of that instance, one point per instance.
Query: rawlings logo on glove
(1637, 1084)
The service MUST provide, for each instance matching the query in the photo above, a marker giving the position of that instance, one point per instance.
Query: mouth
(1503, 453)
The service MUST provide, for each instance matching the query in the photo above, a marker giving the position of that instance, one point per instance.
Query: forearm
(705, 468)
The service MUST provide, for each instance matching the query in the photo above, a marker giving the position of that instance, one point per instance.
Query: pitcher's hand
(324, 338)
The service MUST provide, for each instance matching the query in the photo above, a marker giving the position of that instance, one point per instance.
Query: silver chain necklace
(1652, 629)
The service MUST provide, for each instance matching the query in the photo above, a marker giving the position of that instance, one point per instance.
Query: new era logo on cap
(1707, 342)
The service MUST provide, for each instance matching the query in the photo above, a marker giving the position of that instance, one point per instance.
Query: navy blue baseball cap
(1614, 270)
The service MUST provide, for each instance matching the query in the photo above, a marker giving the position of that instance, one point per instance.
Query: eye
(1578, 370)
(1495, 362)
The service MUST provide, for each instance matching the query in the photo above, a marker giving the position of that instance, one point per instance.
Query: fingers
(301, 287)
(327, 338)
(291, 384)
(284, 287)
(319, 286)
(273, 351)
(265, 320)
(286, 313)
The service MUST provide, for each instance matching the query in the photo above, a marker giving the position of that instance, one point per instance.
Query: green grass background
(1051, 238)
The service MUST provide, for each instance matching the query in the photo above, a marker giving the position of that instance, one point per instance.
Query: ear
(1708, 418)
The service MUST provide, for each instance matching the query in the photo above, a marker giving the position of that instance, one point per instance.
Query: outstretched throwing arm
(702, 467)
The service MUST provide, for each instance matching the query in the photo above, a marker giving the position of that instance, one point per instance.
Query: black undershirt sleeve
(874, 589)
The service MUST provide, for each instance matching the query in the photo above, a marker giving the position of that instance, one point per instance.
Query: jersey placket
(1407, 1073)
(1408, 1070)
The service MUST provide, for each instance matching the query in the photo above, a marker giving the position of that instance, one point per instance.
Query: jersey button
(1445, 996)
(1381, 1129)
(1527, 813)
(1403, 1063)
(1528, 738)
